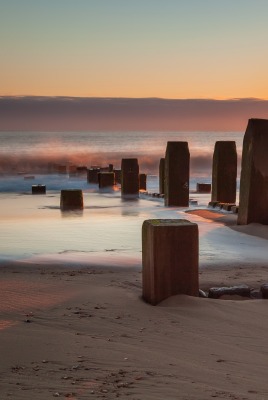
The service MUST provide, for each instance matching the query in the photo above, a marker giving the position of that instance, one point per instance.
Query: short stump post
(71, 199)
(92, 175)
(106, 179)
(143, 181)
(169, 259)
(38, 189)
(203, 187)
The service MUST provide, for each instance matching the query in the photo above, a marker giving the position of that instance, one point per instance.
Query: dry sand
(87, 334)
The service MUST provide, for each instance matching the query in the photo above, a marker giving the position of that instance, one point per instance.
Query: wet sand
(83, 333)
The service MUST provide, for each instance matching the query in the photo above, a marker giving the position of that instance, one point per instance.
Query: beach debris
(213, 204)
(254, 174)
(235, 209)
(56, 394)
(226, 206)
(240, 290)
(202, 293)
(255, 294)
(177, 170)
(164, 274)
(264, 290)
(224, 172)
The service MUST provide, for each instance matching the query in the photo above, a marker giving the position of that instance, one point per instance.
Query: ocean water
(108, 230)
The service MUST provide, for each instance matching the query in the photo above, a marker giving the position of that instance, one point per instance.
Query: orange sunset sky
(169, 49)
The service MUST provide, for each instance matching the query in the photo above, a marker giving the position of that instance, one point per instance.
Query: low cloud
(125, 114)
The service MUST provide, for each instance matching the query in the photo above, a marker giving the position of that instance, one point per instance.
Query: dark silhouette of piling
(203, 188)
(38, 189)
(253, 202)
(130, 177)
(177, 165)
(143, 181)
(162, 176)
(92, 175)
(117, 173)
(106, 179)
(224, 172)
(71, 199)
(169, 259)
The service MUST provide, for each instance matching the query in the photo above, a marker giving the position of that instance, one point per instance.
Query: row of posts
(170, 247)
(174, 174)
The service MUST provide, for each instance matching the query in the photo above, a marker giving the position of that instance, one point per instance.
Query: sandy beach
(83, 333)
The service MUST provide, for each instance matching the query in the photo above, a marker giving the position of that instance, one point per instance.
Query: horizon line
(130, 98)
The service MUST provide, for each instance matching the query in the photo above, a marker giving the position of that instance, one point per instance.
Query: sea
(108, 231)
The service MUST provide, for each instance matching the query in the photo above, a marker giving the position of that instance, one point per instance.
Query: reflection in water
(72, 213)
(130, 206)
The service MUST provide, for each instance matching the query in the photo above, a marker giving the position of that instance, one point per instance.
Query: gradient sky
(134, 48)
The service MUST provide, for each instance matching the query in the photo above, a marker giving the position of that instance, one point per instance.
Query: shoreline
(84, 332)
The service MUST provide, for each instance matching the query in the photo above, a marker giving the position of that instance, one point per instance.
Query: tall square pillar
(130, 176)
(253, 203)
(177, 167)
(162, 176)
(224, 172)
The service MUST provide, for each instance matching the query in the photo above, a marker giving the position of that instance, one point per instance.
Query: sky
(173, 49)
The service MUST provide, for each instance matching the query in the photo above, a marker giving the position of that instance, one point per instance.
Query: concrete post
(106, 179)
(177, 165)
(130, 176)
(162, 176)
(169, 259)
(253, 204)
(143, 181)
(71, 199)
(224, 172)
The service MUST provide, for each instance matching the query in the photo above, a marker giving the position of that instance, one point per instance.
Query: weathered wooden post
(224, 172)
(162, 176)
(177, 165)
(203, 187)
(143, 181)
(71, 199)
(106, 179)
(117, 173)
(38, 189)
(129, 177)
(92, 175)
(169, 259)
(253, 199)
